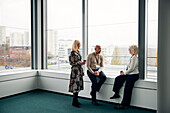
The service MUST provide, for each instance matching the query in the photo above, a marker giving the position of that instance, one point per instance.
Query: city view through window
(113, 24)
(115, 28)
(15, 40)
(64, 26)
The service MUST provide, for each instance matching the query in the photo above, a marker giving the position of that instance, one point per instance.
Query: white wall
(144, 92)
(163, 57)
(17, 82)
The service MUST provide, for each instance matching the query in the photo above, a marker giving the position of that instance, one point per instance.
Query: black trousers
(130, 81)
(96, 85)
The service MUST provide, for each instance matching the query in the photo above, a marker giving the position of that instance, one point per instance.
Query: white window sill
(146, 84)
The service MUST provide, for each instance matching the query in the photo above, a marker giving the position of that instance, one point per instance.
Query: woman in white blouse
(131, 75)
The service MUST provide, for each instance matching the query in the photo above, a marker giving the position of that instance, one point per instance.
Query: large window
(152, 37)
(64, 26)
(113, 24)
(15, 40)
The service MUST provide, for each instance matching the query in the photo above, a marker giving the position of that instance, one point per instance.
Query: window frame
(39, 55)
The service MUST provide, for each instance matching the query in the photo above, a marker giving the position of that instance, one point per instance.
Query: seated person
(95, 66)
(131, 75)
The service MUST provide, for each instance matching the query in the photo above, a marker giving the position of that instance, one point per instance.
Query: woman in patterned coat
(76, 77)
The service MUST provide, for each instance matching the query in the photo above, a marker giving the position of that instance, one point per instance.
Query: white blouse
(132, 67)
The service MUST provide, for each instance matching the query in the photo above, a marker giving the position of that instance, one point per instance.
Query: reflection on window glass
(15, 40)
(152, 37)
(113, 24)
(64, 26)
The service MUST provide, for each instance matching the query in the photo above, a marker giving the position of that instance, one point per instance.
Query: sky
(15, 13)
(110, 21)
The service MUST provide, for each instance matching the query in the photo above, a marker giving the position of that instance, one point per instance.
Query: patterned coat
(76, 77)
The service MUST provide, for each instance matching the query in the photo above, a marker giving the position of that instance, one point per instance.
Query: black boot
(95, 103)
(76, 96)
(93, 94)
(75, 103)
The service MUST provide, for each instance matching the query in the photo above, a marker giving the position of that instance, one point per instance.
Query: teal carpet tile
(48, 102)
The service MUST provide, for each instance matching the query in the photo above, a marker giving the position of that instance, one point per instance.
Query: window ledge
(144, 84)
(15, 75)
(13, 72)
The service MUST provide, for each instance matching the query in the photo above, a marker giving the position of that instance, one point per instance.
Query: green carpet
(48, 102)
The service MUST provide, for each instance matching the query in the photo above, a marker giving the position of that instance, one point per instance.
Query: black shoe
(76, 105)
(115, 96)
(95, 103)
(119, 107)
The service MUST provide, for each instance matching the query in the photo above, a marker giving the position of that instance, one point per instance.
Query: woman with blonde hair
(131, 75)
(76, 77)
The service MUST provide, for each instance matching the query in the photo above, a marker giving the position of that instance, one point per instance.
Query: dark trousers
(130, 81)
(96, 85)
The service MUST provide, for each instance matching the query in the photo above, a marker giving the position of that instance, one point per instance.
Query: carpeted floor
(48, 102)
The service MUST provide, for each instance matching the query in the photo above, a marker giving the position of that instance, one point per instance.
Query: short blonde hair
(75, 45)
(134, 49)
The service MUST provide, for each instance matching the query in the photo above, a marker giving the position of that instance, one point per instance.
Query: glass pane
(15, 34)
(152, 37)
(64, 26)
(113, 24)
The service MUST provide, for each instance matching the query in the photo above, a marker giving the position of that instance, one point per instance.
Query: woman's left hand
(82, 63)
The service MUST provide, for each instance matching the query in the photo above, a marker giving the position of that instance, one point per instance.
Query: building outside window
(64, 25)
(113, 24)
(15, 38)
